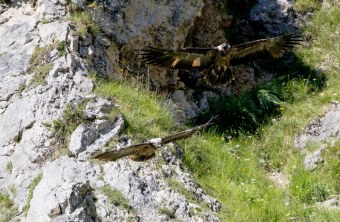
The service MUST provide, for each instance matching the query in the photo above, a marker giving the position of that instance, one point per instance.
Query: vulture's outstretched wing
(138, 151)
(145, 151)
(255, 50)
(186, 58)
(186, 133)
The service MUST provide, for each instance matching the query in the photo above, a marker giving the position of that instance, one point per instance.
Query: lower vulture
(147, 150)
(216, 61)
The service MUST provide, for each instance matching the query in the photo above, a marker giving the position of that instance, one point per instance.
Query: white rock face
(322, 129)
(65, 190)
(276, 16)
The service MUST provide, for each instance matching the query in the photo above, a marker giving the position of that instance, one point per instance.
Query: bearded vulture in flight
(216, 60)
(147, 150)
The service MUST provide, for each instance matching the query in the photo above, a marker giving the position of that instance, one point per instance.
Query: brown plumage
(147, 150)
(216, 60)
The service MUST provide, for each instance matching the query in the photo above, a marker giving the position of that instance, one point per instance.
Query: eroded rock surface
(322, 129)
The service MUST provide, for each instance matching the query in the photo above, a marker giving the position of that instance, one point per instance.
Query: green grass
(144, 115)
(84, 24)
(40, 73)
(34, 183)
(63, 127)
(7, 209)
(306, 5)
(40, 63)
(7, 2)
(21, 88)
(45, 21)
(9, 167)
(235, 171)
(170, 213)
(115, 197)
(61, 47)
(40, 56)
(255, 134)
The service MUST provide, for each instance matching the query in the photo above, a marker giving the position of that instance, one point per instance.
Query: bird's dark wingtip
(212, 119)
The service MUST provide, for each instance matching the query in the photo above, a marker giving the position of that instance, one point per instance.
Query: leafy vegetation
(115, 197)
(9, 167)
(45, 20)
(40, 74)
(34, 183)
(84, 24)
(21, 88)
(63, 127)
(7, 210)
(40, 62)
(256, 131)
(61, 47)
(40, 56)
(140, 107)
(306, 5)
(234, 165)
(170, 213)
(7, 2)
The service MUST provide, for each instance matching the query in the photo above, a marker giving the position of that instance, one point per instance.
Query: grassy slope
(235, 172)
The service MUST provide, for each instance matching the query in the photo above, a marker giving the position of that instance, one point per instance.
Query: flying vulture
(216, 60)
(147, 150)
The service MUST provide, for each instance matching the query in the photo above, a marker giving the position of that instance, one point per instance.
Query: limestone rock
(64, 191)
(183, 108)
(275, 16)
(279, 179)
(82, 137)
(92, 137)
(98, 108)
(331, 204)
(322, 129)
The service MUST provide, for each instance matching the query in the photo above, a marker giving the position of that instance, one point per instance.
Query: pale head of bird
(157, 142)
(223, 48)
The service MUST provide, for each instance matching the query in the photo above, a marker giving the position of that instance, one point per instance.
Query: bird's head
(223, 47)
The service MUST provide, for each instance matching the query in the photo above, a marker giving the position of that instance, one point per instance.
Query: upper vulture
(216, 60)
(147, 150)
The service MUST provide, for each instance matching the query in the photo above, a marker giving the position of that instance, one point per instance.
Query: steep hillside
(72, 86)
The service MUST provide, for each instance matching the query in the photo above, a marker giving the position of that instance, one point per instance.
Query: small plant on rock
(84, 24)
(63, 127)
(116, 197)
(7, 209)
(7, 2)
(62, 48)
(40, 74)
(170, 213)
(9, 167)
(34, 183)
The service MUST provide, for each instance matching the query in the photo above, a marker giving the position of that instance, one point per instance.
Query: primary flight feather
(217, 60)
(147, 150)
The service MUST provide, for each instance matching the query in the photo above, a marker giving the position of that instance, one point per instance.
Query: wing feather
(186, 58)
(117, 154)
(186, 133)
(274, 47)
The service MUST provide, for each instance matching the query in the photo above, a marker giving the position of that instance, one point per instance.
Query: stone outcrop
(322, 131)
(275, 17)
(325, 128)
